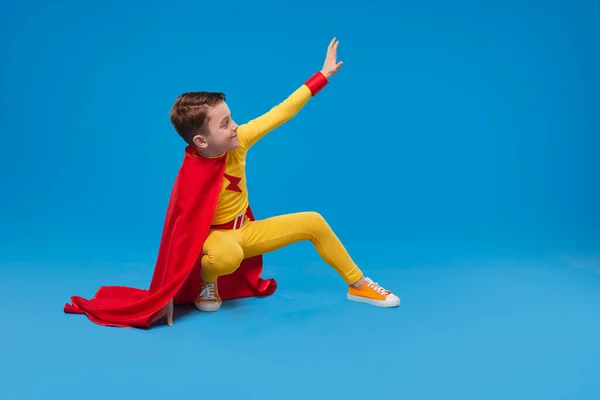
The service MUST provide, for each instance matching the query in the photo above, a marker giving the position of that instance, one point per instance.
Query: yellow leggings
(224, 250)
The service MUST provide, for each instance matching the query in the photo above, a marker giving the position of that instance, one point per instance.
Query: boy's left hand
(331, 66)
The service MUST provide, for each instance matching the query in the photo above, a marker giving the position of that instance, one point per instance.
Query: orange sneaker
(371, 293)
(209, 299)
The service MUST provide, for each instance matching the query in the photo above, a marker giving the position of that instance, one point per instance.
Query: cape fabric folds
(177, 271)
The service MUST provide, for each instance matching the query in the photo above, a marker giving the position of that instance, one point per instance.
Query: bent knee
(226, 260)
(313, 215)
(314, 223)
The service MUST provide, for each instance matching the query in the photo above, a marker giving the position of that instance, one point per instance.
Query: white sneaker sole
(208, 306)
(391, 301)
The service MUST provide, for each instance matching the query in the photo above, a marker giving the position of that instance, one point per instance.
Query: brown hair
(188, 114)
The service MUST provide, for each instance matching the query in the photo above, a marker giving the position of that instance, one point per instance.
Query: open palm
(331, 66)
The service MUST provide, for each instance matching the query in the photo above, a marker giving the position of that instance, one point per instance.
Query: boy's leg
(267, 235)
(221, 255)
(264, 236)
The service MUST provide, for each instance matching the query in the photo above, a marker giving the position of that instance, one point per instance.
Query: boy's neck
(207, 154)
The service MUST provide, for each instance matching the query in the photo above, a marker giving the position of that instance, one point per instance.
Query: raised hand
(331, 66)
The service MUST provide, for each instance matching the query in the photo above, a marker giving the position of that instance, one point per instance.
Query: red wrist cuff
(316, 82)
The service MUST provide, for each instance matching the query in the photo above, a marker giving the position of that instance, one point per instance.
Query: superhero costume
(190, 214)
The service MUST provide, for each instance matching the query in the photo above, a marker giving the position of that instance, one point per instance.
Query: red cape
(177, 272)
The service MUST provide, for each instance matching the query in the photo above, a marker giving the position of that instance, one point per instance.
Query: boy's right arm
(254, 130)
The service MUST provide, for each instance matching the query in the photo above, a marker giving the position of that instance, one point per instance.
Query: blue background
(455, 154)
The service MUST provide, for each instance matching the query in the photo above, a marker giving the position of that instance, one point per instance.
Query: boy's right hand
(331, 66)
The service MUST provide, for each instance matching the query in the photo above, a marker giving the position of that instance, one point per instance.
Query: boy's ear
(200, 141)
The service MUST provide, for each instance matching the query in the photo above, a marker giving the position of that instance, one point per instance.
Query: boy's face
(221, 131)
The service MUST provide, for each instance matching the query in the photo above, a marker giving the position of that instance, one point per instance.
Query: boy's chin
(234, 144)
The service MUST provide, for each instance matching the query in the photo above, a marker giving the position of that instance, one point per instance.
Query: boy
(212, 246)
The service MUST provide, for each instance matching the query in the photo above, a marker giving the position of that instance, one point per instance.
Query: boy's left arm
(254, 130)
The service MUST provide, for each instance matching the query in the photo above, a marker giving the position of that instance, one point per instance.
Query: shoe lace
(208, 292)
(378, 289)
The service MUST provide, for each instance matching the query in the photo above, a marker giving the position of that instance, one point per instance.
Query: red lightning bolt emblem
(233, 185)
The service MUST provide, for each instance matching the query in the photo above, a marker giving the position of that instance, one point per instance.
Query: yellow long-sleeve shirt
(233, 198)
